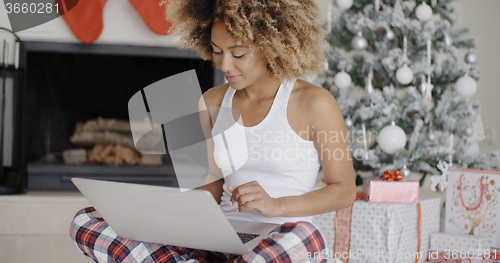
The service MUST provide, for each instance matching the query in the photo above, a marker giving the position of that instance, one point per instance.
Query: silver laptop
(165, 215)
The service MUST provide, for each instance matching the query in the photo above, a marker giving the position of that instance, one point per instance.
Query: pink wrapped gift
(379, 191)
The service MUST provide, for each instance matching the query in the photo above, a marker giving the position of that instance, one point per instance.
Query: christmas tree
(394, 67)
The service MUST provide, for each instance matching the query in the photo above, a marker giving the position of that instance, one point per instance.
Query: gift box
(380, 232)
(472, 204)
(381, 191)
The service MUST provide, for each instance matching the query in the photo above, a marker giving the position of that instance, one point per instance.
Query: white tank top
(270, 153)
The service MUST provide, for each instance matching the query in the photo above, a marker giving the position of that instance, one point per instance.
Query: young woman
(292, 127)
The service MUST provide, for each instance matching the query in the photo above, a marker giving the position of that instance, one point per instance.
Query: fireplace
(63, 84)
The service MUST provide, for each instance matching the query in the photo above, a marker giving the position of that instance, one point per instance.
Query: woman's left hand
(252, 196)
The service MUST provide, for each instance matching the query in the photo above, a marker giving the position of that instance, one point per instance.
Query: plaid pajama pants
(289, 242)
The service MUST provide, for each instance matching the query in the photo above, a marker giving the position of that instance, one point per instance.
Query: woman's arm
(215, 188)
(213, 181)
(330, 140)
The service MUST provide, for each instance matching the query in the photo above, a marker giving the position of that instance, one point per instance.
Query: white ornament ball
(423, 12)
(466, 86)
(404, 75)
(391, 138)
(344, 4)
(342, 80)
(390, 35)
(348, 122)
(359, 42)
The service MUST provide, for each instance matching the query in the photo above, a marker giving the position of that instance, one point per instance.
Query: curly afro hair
(287, 33)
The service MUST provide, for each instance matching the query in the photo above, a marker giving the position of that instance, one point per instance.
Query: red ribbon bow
(391, 176)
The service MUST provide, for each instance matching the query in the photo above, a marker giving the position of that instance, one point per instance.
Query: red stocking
(84, 19)
(153, 14)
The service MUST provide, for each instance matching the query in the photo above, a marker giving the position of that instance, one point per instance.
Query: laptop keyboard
(245, 237)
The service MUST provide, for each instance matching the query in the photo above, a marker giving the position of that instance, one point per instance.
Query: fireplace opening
(65, 89)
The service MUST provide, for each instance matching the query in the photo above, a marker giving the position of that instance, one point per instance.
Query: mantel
(104, 49)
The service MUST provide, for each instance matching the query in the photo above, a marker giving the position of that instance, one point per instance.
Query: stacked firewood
(103, 131)
(113, 155)
(109, 141)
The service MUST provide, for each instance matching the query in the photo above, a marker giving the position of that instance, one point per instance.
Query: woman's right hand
(252, 196)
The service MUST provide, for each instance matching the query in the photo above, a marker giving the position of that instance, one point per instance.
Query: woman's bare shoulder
(318, 107)
(213, 96)
(212, 100)
(313, 96)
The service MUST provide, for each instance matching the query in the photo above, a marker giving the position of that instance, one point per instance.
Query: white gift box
(379, 230)
(473, 204)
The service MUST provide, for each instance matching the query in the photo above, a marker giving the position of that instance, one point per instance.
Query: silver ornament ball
(471, 57)
(359, 42)
(431, 136)
(359, 154)
(405, 171)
